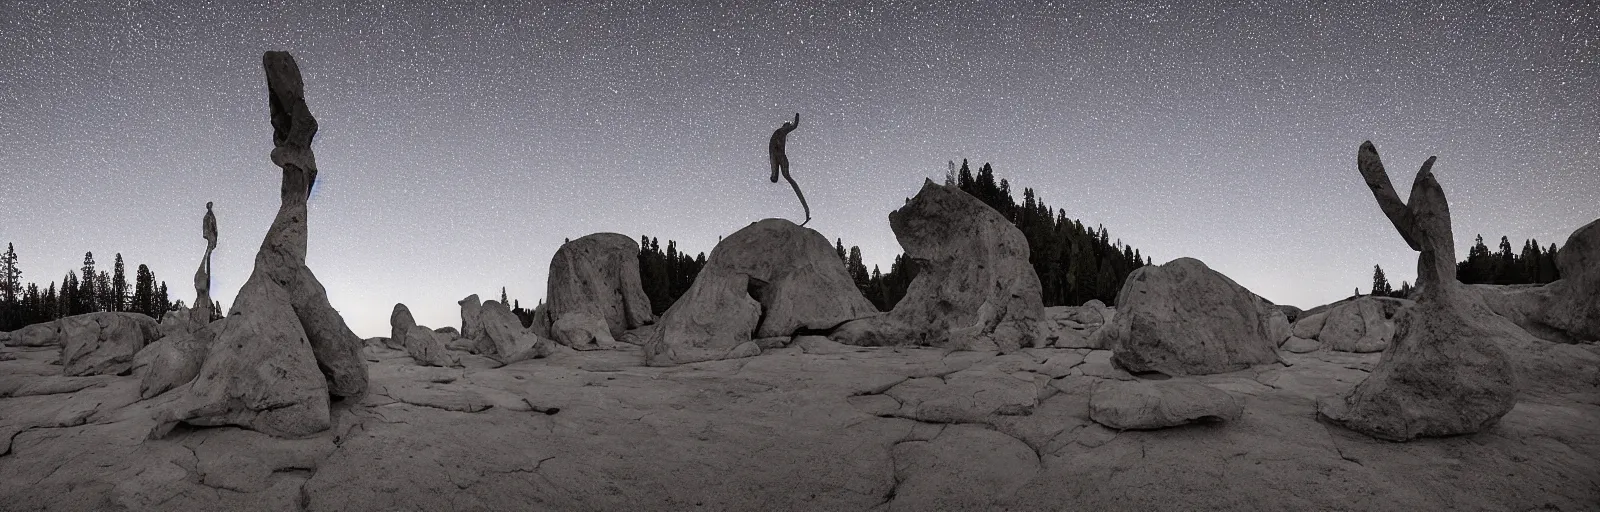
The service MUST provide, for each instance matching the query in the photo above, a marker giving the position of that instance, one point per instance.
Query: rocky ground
(815, 426)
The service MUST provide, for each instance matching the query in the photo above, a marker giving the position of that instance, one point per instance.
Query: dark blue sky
(461, 144)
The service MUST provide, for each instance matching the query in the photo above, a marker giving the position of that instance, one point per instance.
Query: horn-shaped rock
(1445, 374)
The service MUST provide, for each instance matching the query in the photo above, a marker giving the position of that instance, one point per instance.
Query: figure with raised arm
(780, 161)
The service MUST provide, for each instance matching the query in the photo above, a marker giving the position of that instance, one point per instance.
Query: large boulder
(770, 279)
(596, 276)
(103, 343)
(176, 321)
(1445, 373)
(1361, 325)
(36, 335)
(974, 285)
(1575, 308)
(175, 359)
(284, 349)
(1310, 326)
(422, 344)
(1140, 404)
(1182, 318)
(504, 337)
(471, 310)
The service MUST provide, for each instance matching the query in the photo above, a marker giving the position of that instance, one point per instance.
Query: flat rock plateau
(816, 425)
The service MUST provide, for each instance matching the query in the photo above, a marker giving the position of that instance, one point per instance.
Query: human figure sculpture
(201, 314)
(780, 161)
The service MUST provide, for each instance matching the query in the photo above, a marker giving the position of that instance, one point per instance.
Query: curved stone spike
(293, 126)
(1377, 178)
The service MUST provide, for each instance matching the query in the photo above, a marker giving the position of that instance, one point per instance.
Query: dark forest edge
(99, 290)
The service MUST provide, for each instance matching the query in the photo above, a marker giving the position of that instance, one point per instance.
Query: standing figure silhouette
(780, 161)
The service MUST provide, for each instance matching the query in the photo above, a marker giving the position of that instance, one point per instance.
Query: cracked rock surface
(815, 425)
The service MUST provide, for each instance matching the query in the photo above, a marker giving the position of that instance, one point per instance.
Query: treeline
(666, 275)
(1532, 265)
(97, 290)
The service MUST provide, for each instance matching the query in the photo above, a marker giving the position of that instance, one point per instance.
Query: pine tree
(503, 300)
(102, 287)
(144, 292)
(88, 296)
(1380, 283)
(11, 315)
(119, 286)
(162, 299)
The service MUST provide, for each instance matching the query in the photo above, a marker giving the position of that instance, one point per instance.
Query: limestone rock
(449, 332)
(1300, 345)
(37, 335)
(506, 340)
(598, 276)
(582, 331)
(1575, 308)
(1310, 326)
(1278, 328)
(175, 360)
(1068, 327)
(1360, 325)
(176, 321)
(103, 343)
(1139, 404)
(423, 345)
(427, 348)
(1182, 318)
(400, 322)
(770, 279)
(471, 309)
(974, 284)
(1445, 372)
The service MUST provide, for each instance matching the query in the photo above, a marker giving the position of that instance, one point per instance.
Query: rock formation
(103, 343)
(424, 346)
(284, 349)
(1444, 373)
(974, 286)
(504, 338)
(770, 279)
(595, 277)
(1182, 318)
(1075, 327)
(1361, 325)
(1140, 405)
(36, 335)
(471, 309)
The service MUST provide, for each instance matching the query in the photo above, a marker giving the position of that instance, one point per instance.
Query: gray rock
(582, 331)
(1300, 345)
(424, 346)
(103, 343)
(1445, 373)
(974, 285)
(471, 309)
(506, 340)
(770, 279)
(175, 360)
(1141, 405)
(1357, 326)
(598, 276)
(1575, 308)
(1182, 318)
(400, 323)
(37, 335)
(1310, 326)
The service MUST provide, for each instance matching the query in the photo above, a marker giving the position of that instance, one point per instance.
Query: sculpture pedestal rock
(770, 279)
(974, 286)
(1444, 374)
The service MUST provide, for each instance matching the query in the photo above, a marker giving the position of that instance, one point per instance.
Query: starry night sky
(460, 145)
